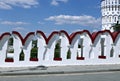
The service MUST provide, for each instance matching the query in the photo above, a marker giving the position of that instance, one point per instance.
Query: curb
(59, 72)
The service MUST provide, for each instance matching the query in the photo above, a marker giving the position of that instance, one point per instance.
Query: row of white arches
(102, 47)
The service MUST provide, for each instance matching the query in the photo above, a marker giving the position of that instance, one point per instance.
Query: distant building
(110, 10)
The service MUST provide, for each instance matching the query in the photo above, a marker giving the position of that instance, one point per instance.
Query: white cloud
(41, 23)
(95, 30)
(76, 30)
(19, 29)
(13, 23)
(56, 2)
(4, 6)
(84, 20)
(9, 4)
(22, 30)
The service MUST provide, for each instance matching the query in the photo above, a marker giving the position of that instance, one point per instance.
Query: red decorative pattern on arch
(44, 36)
(67, 35)
(23, 39)
(72, 36)
(51, 35)
(4, 34)
(115, 35)
(95, 34)
(92, 36)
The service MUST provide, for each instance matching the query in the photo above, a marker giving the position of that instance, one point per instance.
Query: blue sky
(49, 15)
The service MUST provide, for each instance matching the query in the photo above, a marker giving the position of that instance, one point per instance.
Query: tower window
(112, 12)
(115, 1)
(118, 8)
(109, 8)
(112, 7)
(115, 19)
(112, 2)
(110, 19)
(115, 8)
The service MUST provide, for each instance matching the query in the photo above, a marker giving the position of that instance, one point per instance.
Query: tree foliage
(116, 27)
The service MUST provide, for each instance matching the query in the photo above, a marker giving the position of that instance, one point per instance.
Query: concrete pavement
(42, 70)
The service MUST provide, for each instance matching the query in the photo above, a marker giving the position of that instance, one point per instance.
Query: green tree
(22, 55)
(116, 27)
(57, 51)
(34, 43)
(69, 54)
(10, 42)
(34, 50)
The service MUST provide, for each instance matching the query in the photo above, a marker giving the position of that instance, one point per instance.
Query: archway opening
(10, 50)
(57, 51)
(112, 52)
(69, 54)
(34, 51)
(22, 56)
(80, 50)
(102, 42)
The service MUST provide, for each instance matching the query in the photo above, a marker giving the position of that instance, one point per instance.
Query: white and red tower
(110, 10)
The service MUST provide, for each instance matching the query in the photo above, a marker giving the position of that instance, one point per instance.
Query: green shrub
(79, 46)
(57, 51)
(69, 54)
(21, 56)
(116, 27)
(34, 52)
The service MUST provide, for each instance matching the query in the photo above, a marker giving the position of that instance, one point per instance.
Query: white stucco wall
(91, 50)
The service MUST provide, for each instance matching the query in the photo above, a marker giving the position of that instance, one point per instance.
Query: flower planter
(9, 60)
(102, 57)
(58, 59)
(33, 59)
(80, 58)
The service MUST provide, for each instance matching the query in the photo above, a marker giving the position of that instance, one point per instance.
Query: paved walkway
(41, 70)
